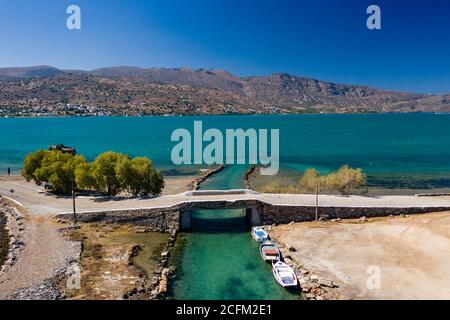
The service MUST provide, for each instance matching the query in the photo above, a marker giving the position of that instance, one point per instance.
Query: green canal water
(218, 259)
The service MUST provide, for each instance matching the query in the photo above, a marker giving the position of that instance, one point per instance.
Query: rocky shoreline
(195, 184)
(248, 175)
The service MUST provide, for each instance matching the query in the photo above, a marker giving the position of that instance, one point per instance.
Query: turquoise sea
(408, 150)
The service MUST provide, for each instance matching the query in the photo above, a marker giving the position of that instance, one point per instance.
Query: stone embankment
(195, 184)
(157, 284)
(248, 175)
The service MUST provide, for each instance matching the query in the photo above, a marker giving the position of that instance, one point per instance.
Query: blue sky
(324, 39)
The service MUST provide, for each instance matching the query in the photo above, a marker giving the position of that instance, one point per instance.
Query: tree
(109, 173)
(345, 181)
(308, 181)
(84, 177)
(348, 179)
(139, 177)
(31, 163)
(58, 169)
(104, 173)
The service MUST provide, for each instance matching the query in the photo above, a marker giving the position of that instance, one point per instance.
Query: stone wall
(286, 214)
(163, 220)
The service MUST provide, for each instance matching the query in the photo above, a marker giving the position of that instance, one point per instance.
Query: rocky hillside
(129, 90)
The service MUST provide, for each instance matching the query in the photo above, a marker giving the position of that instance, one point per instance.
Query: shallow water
(218, 259)
(221, 261)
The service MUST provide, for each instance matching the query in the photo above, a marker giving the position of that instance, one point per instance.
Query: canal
(218, 259)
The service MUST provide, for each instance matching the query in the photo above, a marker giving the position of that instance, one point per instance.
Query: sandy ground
(175, 185)
(411, 253)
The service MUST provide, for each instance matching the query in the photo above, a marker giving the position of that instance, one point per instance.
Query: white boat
(269, 251)
(284, 274)
(259, 234)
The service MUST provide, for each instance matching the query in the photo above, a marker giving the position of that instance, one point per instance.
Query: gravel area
(44, 255)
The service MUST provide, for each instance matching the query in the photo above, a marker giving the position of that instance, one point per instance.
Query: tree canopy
(110, 173)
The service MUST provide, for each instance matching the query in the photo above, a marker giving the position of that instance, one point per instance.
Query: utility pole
(73, 152)
(317, 199)
(73, 202)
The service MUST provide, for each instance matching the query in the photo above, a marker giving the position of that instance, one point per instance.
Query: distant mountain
(131, 90)
(29, 72)
(217, 79)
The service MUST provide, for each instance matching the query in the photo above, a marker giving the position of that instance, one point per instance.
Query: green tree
(84, 177)
(139, 177)
(104, 173)
(58, 169)
(31, 163)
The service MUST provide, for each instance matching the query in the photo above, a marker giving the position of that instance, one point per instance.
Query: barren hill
(131, 90)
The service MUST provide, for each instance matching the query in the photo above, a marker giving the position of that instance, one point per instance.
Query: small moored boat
(259, 234)
(284, 274)
(269, 251)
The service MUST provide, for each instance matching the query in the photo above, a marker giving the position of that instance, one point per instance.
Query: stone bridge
(265, 209)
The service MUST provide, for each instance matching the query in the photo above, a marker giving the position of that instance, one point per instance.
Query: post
(73, 202)
(317, 199)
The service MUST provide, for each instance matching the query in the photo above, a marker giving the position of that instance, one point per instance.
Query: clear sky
(324, 39)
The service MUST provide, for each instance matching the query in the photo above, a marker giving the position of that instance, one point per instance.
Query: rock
(165, 272)
(304, 272)
(291, 223)
(363, 219)
(162, 286)
(310, 296)
(326, 283)
(291, 248)
(314, 277)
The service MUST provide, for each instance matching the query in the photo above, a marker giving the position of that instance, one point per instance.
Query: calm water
(391, 148)
(220, 261)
